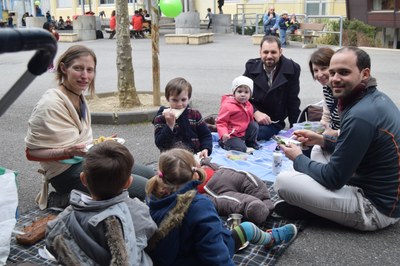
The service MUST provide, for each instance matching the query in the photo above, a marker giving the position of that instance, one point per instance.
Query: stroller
(13, 40)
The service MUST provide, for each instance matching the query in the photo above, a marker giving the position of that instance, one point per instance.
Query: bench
(176, 38)
(201, 38)
(133, 33)
(257, 38)
(307, 31)
(68, 37)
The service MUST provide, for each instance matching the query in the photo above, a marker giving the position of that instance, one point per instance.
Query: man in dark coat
(276, 88)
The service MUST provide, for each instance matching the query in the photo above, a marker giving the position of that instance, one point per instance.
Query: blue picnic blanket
(259, 163)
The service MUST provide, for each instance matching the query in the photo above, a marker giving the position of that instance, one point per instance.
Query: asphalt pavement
(210, 68)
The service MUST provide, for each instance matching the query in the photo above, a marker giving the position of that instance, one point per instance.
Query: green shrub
(248, 30)
(355, 33)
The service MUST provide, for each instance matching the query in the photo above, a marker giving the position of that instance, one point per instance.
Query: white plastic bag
(8, 208)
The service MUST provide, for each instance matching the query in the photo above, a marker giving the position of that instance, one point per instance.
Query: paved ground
(210, 68)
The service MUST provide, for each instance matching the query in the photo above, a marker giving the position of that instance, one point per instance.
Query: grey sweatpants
(346, 206)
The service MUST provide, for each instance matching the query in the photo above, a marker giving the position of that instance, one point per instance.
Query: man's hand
(262, 118)
(291, 150)
(308, 137)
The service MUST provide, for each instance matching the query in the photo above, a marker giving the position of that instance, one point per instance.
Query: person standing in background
(269, 21)
(220, 5)
(38, 10)
(113, 24)
(209, 16)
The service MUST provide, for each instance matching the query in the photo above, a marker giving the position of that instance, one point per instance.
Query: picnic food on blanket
(285, 141)
(34, 232)
(177, 112)
(236, 156)
(102, 139)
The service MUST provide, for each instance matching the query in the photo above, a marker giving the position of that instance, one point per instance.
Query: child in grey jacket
(107, 227)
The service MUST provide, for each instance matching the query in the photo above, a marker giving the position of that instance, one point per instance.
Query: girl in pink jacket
(236, 127)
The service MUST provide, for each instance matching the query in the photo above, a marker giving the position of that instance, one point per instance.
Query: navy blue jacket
(200, 239)
(190, 130)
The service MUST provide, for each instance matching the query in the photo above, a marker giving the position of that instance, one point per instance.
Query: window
(382, 5)
(315, 7)
(64, 3)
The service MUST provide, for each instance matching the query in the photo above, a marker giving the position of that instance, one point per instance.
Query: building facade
(383, 14)
(71, 8)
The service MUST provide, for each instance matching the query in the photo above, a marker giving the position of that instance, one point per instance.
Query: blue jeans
(268, 31)
(282, 36)
(70, 179)
(265, 132)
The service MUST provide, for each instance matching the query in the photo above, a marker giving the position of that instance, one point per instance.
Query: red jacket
(137, 22)
(113, 23)
(234, 115)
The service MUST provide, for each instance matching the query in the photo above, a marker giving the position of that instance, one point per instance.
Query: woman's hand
(76, 150)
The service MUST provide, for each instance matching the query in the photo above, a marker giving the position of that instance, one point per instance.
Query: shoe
(255, 146)
(282, 235)
(284, 209)
(58, 200)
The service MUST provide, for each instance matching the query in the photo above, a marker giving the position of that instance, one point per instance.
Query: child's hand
(203, 154)
(225, 137)
(170, 118)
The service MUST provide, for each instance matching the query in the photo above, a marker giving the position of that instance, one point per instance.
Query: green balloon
(171, 8)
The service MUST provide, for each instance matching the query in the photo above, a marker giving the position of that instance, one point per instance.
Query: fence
(252, 23)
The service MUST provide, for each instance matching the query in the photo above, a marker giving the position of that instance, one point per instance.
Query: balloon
(171, 8)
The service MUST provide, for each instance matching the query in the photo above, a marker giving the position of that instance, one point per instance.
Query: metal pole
(341, 31)
(83, 7)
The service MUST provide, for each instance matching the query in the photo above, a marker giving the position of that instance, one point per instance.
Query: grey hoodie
(113, 231)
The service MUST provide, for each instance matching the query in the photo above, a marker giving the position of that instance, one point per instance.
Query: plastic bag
(8, 210)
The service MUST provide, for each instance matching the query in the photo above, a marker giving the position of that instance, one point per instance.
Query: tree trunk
(155, 39)
(126, 80)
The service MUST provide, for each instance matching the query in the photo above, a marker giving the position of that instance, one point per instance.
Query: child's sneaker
(282, 235)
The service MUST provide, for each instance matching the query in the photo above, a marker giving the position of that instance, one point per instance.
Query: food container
(310, 125)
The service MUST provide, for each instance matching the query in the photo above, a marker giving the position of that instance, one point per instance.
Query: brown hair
(108, 166)
(321, 57)
(71, 54)
(176, 86)
(177, 167)
(271, 39)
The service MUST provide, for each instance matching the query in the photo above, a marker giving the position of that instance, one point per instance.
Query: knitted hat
(285, 13)
(242, 80)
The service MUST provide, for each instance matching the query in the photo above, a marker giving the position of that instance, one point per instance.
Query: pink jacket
(233, 115)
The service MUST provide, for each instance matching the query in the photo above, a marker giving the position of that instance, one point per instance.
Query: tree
(126, 79)
(155, 38)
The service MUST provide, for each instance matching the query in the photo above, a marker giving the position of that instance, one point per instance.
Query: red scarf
(356, 94)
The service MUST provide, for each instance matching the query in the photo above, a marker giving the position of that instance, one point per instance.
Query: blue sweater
(366, 153)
